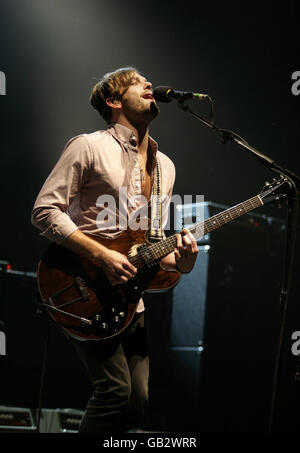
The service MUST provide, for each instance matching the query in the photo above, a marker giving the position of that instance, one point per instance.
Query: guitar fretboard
(164, 247)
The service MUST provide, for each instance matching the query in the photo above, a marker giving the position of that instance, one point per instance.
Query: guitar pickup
(146, 255)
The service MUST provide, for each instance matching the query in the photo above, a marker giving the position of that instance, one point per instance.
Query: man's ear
(113, 103)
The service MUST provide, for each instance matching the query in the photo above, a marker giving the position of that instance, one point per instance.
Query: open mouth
(148, 96)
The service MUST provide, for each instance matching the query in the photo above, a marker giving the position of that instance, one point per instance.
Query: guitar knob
(122, 314)
(117, 319)
(104, 326)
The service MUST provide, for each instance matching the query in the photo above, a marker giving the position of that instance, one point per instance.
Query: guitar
(81, 300)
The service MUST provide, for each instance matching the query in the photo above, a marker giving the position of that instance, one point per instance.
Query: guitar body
(79, 296)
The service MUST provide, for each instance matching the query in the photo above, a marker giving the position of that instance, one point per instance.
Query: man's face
(137, 101)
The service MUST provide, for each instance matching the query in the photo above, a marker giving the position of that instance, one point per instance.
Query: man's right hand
(116, 266)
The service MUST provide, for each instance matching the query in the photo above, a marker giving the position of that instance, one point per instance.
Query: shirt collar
(124, 135)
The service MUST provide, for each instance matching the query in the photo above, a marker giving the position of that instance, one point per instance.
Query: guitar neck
(166, 246)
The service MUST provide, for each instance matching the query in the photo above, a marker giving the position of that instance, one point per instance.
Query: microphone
(166, 94)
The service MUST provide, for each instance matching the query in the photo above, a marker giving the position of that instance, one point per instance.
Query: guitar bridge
(81, 288)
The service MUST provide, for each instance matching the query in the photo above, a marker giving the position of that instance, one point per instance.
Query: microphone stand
(291, 230)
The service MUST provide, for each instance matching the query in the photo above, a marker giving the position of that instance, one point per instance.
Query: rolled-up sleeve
(61, 188)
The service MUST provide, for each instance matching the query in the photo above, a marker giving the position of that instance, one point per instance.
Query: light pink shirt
(83, 188)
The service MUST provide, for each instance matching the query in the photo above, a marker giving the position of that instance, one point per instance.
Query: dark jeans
(119, 371)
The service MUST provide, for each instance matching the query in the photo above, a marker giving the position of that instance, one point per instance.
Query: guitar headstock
(276, 190)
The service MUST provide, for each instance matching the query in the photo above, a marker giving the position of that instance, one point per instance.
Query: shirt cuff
(60, 229)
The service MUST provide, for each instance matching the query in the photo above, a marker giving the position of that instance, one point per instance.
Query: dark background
(54, 51)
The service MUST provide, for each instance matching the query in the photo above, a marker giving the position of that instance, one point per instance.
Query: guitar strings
(166, 246)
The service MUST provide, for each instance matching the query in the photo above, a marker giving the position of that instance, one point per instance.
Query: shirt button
(133, 141)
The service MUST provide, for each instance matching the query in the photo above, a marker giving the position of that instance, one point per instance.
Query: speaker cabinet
(189, 303)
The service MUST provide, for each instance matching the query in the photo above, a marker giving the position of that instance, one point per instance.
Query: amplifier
(60, 420)
(16, 419)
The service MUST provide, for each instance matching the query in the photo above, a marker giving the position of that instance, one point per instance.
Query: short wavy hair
(112, 85)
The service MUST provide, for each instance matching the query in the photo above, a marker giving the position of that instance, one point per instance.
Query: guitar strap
(156, 233)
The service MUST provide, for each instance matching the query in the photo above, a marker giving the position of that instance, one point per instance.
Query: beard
(138, 113)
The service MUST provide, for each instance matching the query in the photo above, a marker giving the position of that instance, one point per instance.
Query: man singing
(68, 212)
